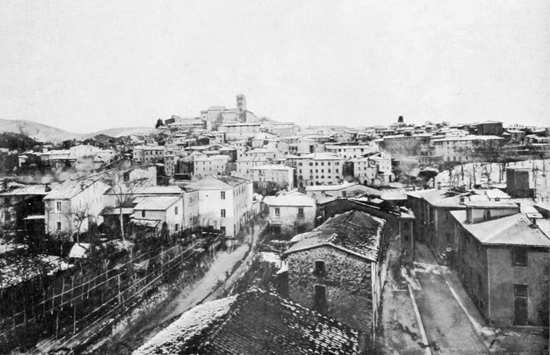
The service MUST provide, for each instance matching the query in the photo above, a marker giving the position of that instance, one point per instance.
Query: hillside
(37, 131)
(45, 133)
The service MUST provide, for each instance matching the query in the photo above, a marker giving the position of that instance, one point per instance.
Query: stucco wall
(503, 275)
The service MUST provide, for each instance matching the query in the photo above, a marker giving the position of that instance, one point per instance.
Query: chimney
(47, 188)
(469, 215)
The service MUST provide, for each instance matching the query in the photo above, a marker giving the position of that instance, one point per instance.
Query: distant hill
(36, 131)
(45, 133)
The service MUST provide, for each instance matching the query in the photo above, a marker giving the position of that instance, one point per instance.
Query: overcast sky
(89, 65)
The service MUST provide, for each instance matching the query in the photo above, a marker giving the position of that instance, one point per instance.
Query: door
(520, 305)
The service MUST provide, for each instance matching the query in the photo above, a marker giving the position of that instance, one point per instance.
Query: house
(291, 212)
(345, 189)
(319, 169)
(337, 270)
(224, 202)
(279, 174)
(73, 205)
(503, 260)
(204, 165)
(189, 209)
(375, 169)
(161, 211)
(349, 151)
(250, 323)
(239, 130)
(433, 224)
(22, 208)
(467, 148)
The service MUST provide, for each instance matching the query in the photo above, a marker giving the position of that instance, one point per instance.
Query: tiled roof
(253, 322)
(355, 232)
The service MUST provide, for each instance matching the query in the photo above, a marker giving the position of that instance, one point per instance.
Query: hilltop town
(232, 233)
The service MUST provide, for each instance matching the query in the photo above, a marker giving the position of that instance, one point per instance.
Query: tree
(159, 123)
(79, 218)
(123, 189)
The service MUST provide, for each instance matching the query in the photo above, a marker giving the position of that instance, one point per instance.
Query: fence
(73, 303)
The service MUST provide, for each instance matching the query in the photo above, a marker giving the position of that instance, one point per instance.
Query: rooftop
(253, 322)
(289, 199)
(354, 232)
(215, 183)
(157, 203)
(515, 229)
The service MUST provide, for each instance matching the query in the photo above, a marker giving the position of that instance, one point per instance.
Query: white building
(350, 151)
(292, 212)
(282, 175)
(318, 169)
(204, 165)
(224, 202)
(375, 169)
(160, 210)
(342, 190)
(239, 130)
(70, 207)
(467, 148)
(147, 154)
(244, 165)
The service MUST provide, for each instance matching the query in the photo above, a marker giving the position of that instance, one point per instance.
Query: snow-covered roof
(353, 232)
(157, 203)
(253, 322)
(515, 229)
(16, 270)
(289, 199)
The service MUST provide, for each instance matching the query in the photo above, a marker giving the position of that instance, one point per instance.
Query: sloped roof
(289, 199)
(215, 183)
(71, 188)
(515, 229)
(157, 203)
(355, 232)
(253, 322)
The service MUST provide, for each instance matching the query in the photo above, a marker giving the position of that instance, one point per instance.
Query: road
(221, 275)
(447, 326)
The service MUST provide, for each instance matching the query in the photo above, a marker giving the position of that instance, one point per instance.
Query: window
(319, 269)
(277, 211)
(176, 210)
(519, 257)
(176, 227)
(222, 212)
(143, 213)
(222, 195)
(58, 226)
(58, 206)
(300, 212)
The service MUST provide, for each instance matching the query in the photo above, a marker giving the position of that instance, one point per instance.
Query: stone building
(337, 269)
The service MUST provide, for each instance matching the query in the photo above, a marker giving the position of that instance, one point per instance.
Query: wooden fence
(73, 303)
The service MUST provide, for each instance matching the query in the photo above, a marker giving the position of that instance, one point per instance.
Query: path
(447, 325)
(218, 277)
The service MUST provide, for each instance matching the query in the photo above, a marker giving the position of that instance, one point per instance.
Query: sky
(90, 65)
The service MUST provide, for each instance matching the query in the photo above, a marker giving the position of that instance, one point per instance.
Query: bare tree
(123, 189)
(80, 217)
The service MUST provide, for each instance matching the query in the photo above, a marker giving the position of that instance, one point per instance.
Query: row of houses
(498, 245)
(70, 208)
